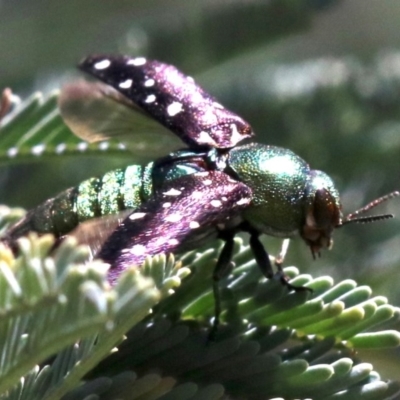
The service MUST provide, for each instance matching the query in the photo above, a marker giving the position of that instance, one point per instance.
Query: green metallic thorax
(278, 179)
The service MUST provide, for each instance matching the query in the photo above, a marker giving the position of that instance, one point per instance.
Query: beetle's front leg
(264, 262)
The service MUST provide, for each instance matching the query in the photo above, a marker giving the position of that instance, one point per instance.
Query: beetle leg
(264, 263)
(222, 269)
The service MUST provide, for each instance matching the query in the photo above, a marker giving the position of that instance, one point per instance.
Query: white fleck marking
(82, 146)
(207, 182)
(194, 225)
(166, 205)
(150, 82)
(197, 195)
(224, 198)
(243, 201)
(204, 137)
(235, 134)
(104, 146)
(12, 152)
(38, 149)
(103, 64)
(60, 148)
(173, 217)
(150, 98)
(138, 250)
(126, 84)
(159, 241)
(209, 116)
(137, 61)
(174, 108)
(216, 203)
(137, 215)
(197, 98)
(172, 192)
(218, 105)
(173, 242)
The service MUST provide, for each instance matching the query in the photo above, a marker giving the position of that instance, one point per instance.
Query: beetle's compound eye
(322, 217)
(322, 213)
(326, 213)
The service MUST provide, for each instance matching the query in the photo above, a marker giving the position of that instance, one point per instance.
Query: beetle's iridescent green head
(323, 213)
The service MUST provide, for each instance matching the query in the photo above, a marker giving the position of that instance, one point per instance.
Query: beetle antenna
(358, 218)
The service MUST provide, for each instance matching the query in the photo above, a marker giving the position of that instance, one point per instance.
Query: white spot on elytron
(204, 137)
(173, 217)
(159, 241)
(172, 192)
(174, 108)
(38, 149)
(149, 82)
(12, 152)
(82, 146)
(104, 146)
(137, 61)
(196, 98)
(126, 84)
(60, 148)
(216, 203)
(166, 205)
(243, 201)
(235, 134)
(173, 242)
(103, 64)
(207, 182)
(194, 225)
(217, 105)
(138, 215)
(197, 195)
(150, 98)
(138, 250)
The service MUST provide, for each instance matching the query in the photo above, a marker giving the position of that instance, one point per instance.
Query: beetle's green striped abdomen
(112, 193)
(115, 191)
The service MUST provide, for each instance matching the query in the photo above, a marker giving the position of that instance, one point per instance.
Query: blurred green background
(319, 77)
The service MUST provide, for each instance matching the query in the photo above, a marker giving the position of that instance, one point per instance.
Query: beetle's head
(324, 212)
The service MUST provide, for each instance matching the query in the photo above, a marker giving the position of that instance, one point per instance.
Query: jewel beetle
(213, 188)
